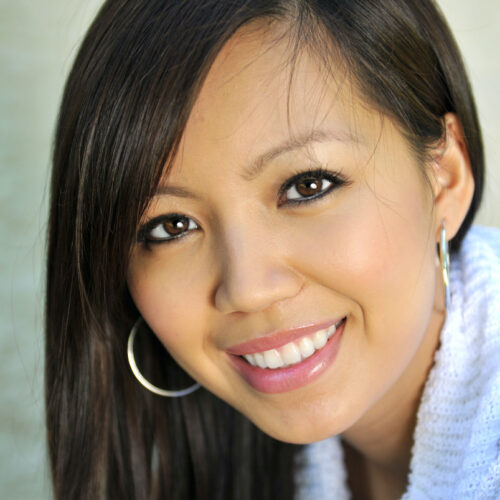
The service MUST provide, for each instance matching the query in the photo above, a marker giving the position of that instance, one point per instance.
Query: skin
(255, 264)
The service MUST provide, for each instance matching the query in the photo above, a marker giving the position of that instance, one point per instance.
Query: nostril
(256, 287)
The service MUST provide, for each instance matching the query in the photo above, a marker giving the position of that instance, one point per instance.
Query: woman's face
(292, 212)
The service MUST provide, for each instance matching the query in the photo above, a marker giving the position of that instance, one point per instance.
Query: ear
(452, 179)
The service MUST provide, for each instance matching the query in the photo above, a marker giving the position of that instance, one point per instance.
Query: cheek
(376, 253)
(168, 299)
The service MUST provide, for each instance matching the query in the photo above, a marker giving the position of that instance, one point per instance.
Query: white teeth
(273, 359)
(259, 358)
(319, 339)
(249, 358)
(331, 331)
(306, 347)
(290, 353)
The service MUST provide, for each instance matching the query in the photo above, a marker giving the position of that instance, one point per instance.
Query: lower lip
(292, 377)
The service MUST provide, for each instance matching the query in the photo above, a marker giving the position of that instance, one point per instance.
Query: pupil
(176, 226)
(309, 187)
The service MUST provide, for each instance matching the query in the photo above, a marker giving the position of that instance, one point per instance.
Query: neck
(383, 438)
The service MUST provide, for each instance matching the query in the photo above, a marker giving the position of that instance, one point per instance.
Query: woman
(248, 196)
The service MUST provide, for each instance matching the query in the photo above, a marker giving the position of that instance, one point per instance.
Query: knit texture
(456, 451)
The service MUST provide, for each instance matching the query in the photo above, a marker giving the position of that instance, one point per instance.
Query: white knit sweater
(456, 451)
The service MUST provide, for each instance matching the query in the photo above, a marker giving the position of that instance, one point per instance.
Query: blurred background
(38, 41)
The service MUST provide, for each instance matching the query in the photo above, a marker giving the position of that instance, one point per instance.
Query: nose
(255, 273)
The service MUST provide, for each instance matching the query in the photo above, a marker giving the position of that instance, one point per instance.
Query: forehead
(261, 92)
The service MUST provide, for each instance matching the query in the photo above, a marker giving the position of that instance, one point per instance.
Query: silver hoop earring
(138, 375)
(444, 257)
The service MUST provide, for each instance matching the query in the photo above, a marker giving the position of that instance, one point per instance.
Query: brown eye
(176, 226)
(309, 187)
(167, 228)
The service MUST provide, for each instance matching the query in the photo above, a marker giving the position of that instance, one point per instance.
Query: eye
(308, 186)
(166, 228)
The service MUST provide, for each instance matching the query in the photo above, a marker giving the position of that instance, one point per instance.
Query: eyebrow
(257, 166)
(177, 191)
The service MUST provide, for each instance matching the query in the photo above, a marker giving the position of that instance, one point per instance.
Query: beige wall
(37, 42)
(476, 26)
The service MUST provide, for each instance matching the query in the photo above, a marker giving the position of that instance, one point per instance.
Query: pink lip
(278, 339)
(291, 377)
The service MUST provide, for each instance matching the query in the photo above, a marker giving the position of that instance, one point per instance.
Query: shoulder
(480, 249)
(457, 440)
(472, 328)
(482, 309)
(475, 286)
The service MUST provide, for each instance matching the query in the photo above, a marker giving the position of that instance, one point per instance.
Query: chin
(305, 429)
(303, 435)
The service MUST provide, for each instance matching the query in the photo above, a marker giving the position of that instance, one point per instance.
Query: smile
(293, 352)
(288, 360)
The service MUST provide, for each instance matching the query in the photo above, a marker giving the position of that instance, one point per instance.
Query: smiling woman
(250, 196)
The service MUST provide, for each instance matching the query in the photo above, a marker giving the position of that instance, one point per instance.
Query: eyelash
(334, 178)
(145, 232)
(319, 174)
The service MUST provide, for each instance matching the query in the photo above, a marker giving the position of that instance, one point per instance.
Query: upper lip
(274, 340)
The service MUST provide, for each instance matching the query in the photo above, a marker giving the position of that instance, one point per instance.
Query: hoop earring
(444, 257)
(138, 375)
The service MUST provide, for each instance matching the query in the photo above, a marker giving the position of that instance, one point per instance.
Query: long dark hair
(124, 109)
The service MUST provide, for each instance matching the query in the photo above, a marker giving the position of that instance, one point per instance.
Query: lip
(291, 377)
(277, 339)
